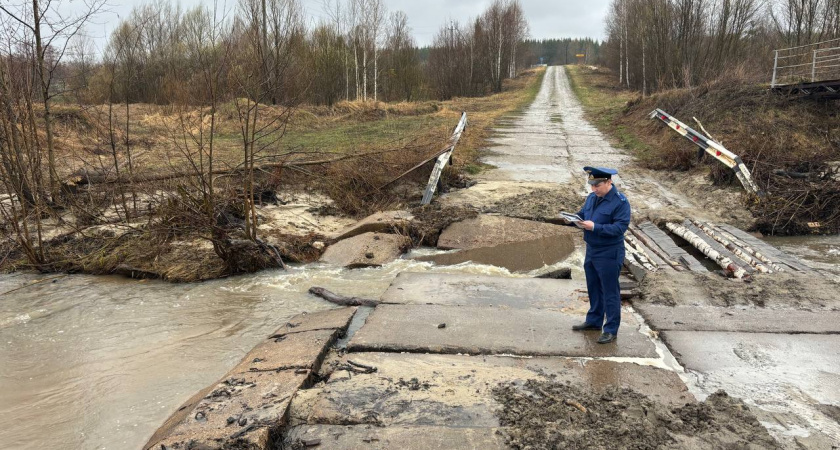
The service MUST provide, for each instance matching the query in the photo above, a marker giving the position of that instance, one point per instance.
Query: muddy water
(99, 362)
(820, 252)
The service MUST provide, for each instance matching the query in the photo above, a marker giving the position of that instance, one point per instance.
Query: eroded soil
(552, 415)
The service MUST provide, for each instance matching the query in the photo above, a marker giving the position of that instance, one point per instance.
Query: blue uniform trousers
(602, 266)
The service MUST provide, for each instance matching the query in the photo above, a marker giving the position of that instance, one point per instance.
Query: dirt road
(539, 156)
(547, 145)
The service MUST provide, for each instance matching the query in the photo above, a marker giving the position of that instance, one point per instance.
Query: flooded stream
(94, 362)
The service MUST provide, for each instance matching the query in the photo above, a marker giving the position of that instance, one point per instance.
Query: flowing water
(820, 252)
(94, 362)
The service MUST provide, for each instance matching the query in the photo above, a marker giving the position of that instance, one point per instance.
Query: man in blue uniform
(606, 215)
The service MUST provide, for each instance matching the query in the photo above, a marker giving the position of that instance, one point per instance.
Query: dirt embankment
(777, 290)
(552, 415)
(790, 145)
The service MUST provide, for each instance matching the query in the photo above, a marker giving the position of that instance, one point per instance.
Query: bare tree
(52, 33)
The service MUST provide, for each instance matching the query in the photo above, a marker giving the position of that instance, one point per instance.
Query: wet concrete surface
(491, 330)
(792, 379)
(413, 392)
(746, 319)
(370, 437)
(481, 290)
(536, 147)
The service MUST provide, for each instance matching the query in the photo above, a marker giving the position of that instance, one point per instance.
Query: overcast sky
(547, 18)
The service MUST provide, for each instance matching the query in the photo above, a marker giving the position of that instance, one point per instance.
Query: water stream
(101, 362)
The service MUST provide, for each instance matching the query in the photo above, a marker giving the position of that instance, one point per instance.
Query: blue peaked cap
(597, 174)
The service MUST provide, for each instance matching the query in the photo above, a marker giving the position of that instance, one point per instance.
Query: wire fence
(807, 63)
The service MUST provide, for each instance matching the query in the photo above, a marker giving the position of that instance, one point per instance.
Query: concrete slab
(457, 391)
(257, 391)
(321, 320)
(788, 377)
(366, 250)
(491, 330)
(379, 222)
(370, 437)
(753, 320)
(489, 231)
(292, 351)
(246, 409)
(482, 290)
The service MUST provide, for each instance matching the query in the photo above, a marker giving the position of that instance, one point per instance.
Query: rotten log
(746, 248)
(731, 247)
(655, 248)
(729, 267)
(340, 299)
(716, 246)
(778, 255)
(83, 176)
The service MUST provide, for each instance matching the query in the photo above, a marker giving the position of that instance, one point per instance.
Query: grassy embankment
(769, 133)
(165, 242)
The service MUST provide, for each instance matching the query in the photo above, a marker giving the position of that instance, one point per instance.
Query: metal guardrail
(711, 147)
(442, 160)
(806, 63)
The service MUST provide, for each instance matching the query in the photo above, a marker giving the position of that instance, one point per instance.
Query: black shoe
(606, 338)
(585, 326)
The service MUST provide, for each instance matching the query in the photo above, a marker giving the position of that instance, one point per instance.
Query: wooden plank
(718, 247)
(671, 248)
(653, 257)
(656, 253)
(773, 253)
(442, 160)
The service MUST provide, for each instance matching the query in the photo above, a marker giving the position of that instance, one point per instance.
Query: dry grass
(176, 241)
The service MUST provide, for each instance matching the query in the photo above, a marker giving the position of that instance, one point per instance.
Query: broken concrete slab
(523, 256)
(482, 290)
(383, 221)
(489, 231)
(408, 438)
(292, 351)
(366, 250)
(256, 392)
(321, 320)
(457, 390)
(516, 244)
(491, 330)
(753, 320)
(246, 409)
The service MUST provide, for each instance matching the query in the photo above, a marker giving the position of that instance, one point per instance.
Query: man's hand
(586, 225)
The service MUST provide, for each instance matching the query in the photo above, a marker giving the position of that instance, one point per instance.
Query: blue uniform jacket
(611, 218)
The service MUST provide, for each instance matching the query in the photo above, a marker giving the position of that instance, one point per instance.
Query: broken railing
(443, 157)
(442, 160)
(711, 147)
(806, 63)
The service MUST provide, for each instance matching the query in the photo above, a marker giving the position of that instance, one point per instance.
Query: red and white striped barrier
(711, 147)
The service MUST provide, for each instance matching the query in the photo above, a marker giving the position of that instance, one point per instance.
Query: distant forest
(562, 51)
